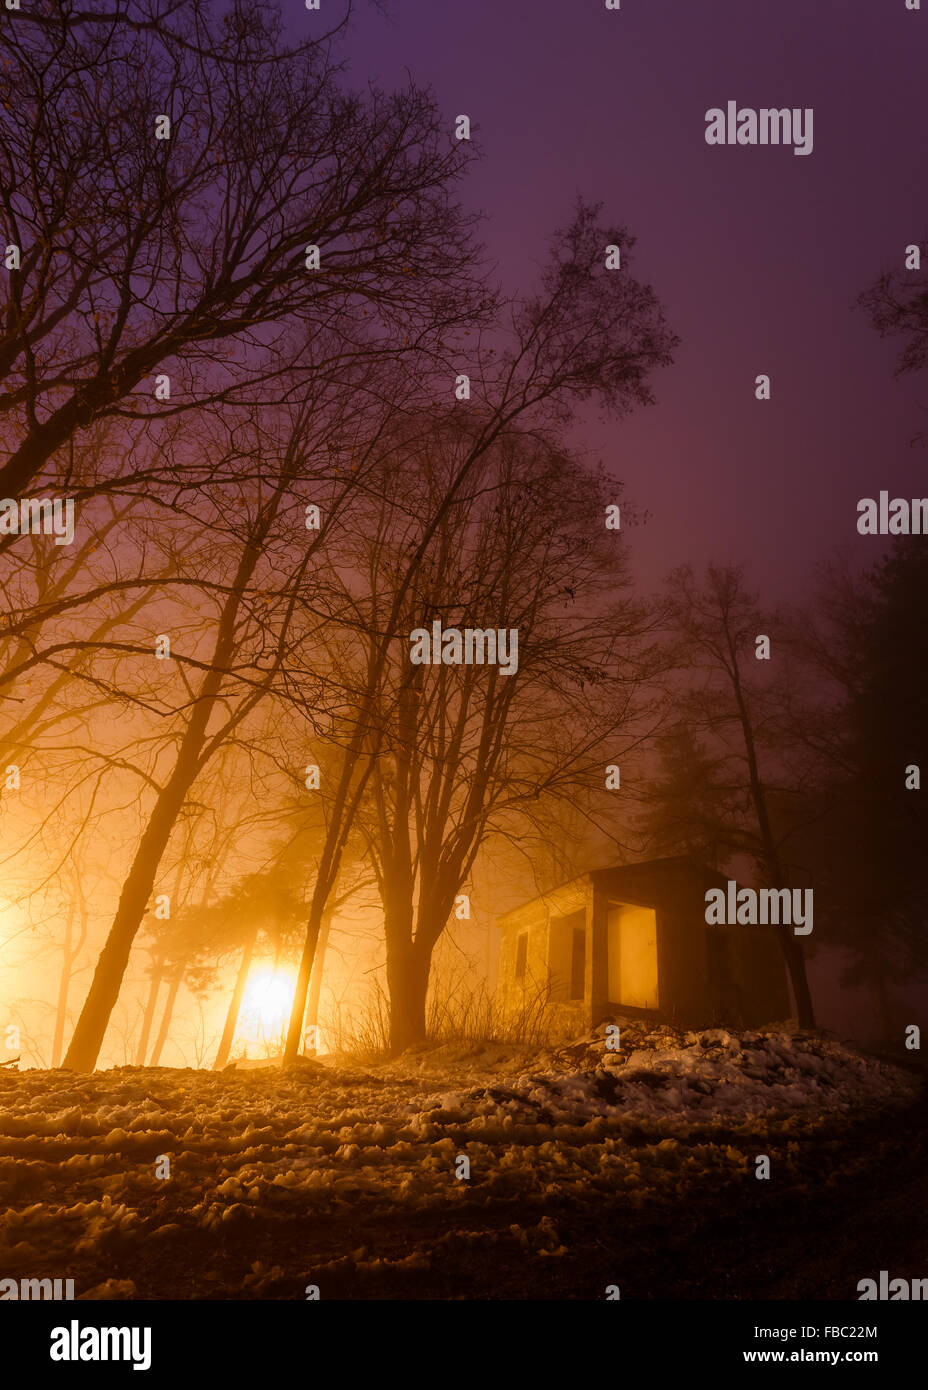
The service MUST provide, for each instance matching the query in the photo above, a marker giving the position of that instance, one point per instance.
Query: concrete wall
(547, 974)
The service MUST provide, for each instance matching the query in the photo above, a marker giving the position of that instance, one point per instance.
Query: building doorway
(631, 947)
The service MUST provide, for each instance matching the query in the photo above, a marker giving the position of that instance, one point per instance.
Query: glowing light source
(266, 1005)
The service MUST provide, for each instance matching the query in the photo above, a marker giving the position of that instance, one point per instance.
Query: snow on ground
(249, 1148)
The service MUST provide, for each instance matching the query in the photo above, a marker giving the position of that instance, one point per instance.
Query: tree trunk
(235, 1003)
(63, 985)
(154, 985)
(407, 983)
(327, 873)
(166, 1018)
(796, 968)
(792, 951)
(133, 903)
(137, 889)
(72, 950)
(315, 986)
(295, 1031)
(26, 462)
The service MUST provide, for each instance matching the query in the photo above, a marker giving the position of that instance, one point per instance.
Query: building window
(521, 954)
(578, 963)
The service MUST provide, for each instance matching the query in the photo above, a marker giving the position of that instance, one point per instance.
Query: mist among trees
(267, 359)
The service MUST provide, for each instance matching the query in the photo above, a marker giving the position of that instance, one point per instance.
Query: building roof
(656, 883)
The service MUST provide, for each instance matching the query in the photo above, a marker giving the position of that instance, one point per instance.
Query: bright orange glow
(266, 1005)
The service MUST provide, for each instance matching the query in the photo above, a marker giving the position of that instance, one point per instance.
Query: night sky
(757, 254)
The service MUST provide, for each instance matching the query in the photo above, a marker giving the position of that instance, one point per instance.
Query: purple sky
(757, 254)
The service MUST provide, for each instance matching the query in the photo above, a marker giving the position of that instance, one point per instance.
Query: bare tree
(897, 303)
(719, 794)
(589, 333)
(200, 736)
(469, 751)
(193, 252)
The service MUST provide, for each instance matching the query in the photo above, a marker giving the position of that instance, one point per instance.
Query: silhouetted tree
(716, 791)
(867, 643)
(589, 333)
(188, 254)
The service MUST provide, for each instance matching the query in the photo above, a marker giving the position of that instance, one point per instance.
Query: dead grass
(458, 1010)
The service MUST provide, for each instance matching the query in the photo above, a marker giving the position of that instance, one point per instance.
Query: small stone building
(634, 940)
